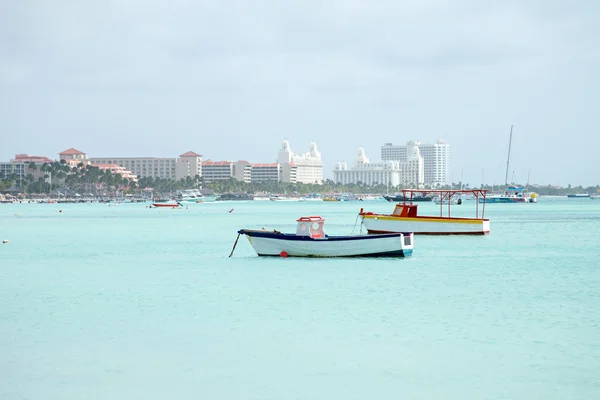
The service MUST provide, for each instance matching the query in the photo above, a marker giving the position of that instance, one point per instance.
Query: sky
(232, 79)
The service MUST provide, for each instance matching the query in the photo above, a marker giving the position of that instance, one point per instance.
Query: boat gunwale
(402, 253)
(327, 238)
(422, 217)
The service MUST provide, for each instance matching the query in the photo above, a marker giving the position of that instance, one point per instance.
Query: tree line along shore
(59, 179)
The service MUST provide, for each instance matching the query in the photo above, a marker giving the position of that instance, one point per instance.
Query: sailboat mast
(508, 158)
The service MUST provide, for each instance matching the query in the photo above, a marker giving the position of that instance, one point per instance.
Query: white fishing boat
(283, 198)
(167, 204)
(190, 196)
(311, 241)
(405, 217)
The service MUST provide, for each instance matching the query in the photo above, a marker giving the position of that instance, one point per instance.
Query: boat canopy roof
(516, 189)
(438, 191)
(444, 195)
(313, 218)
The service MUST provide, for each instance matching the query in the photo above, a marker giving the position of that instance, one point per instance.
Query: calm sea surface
(125, 302)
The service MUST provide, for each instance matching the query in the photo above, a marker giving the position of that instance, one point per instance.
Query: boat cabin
(310, 226)
(405, 210)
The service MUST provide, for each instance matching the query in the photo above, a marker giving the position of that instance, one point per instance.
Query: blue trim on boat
(292, 236)
(502, 200)
(394, 253)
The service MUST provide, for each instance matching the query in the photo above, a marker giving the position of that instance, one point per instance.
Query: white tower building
(436, 159)
(309, 165)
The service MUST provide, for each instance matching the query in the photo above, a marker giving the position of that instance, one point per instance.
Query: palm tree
(33, 166)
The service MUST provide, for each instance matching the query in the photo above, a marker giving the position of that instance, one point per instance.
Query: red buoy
(283, 254)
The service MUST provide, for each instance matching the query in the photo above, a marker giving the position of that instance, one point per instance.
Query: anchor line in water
(234, 244)
(354, 227)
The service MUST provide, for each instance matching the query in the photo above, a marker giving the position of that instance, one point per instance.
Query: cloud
(386, 70)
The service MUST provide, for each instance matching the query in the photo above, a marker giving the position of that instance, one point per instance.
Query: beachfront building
(436, 159)
(309, 165)
(389, 172)
(73, 157)
(244, 171)
(368, 173)
(222, 170)
(27, 158)
(34, 170)
(142, 167)
(289, 172)
(117, 169)
(188, 164)
(13, 171)
(265, 172)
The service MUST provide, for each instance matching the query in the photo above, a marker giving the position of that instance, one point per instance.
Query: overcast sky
(233, 79)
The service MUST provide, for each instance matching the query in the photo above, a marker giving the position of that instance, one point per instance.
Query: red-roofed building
(71, 152)
(117, 169)
(73, 157)
(190, 154)
(188, 164)
(222, 170)
(265, 172)
(26, 158)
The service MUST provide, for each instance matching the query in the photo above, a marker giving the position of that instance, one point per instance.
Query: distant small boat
(578, 195)
(190, 196)
(167, 205)
(595, 197)
(235, 197)
(311, 198)
(414, 198)
(284, 198)
(512, 194)
(310, 241)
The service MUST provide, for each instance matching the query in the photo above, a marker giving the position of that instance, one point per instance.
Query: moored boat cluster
(388, 235)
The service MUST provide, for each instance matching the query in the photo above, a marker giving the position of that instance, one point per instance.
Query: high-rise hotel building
(436, 159)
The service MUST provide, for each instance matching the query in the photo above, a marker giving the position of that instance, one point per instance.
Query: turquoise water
(125, 302)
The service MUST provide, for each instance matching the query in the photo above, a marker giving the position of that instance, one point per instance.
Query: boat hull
(277, 244)
(166, 205)
(426, 225)
(414, 199)
(503, 200)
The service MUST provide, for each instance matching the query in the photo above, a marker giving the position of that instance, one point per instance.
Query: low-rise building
(265, 172)
(143, 167)
(13, 171)
(27, 158)
(117, 169)
(223, 170)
